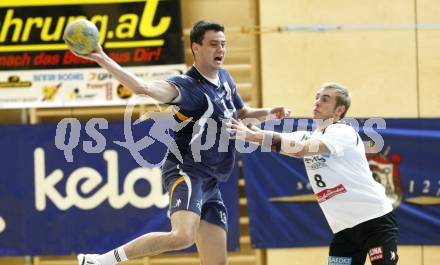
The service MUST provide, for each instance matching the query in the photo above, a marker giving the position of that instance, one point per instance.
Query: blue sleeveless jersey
(207, 107)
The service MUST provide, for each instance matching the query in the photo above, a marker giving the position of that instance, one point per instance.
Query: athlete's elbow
(134, 89)
(143, 90)
(295, 154)
(299, 154)
(296, 151)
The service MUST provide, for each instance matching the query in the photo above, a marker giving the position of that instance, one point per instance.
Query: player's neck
(322, 124)
(210, 73)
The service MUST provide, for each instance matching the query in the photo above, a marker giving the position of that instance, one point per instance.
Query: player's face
(212, 52)
(325, 105)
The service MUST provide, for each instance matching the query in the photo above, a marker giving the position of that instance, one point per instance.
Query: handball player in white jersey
(354, 204)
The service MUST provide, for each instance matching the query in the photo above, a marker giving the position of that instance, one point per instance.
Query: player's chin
(315, 115)
(218, 64)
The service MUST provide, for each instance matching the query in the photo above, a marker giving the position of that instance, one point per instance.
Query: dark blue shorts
(196, 194)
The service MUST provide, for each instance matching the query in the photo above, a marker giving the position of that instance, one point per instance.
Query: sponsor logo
(105, 85)
(223, 218)
(199, 204)
(314, 159)
(178, 203)
(86, 188)
(58, 77)
(145, 25)
(375, 253)
(123, 92)
(135, 33)
(386, 171)
(333, 260)
(49, 92)
(159, 74)
(100, 76)
(14, 81)
(393, 255)
(326, 194)
(147, 54)
(315, 162)
(76, 94)
(73, 94)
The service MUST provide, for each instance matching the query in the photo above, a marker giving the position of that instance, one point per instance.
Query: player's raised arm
(263, 113)
(159, 90)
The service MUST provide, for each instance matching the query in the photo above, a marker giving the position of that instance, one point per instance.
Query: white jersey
(342, 181)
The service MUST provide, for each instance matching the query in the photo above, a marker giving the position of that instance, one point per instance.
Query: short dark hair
(200, 27)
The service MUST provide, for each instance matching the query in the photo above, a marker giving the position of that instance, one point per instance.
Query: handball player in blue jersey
(205, 97)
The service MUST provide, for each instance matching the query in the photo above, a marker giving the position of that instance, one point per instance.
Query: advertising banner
(37, 70)
(79, 188)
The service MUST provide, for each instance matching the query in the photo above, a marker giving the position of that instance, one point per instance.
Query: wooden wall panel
(11, 116)
(378, 66)
(431, 255)
(429, 58)
(12, 260)
(233, 14)
(240, 48)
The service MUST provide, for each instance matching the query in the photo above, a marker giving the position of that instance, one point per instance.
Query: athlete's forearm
(159, 90)
(284, 145)
(249, 112)
(126, 78)
(281, 144)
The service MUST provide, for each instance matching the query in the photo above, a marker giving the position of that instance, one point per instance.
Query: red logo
(375, 253)
(386, 172)
(326, 194)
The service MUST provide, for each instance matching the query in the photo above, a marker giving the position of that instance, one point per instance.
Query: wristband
(276, 145)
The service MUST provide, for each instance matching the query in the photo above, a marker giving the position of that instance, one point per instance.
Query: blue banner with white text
(282, 207)
(110, 192)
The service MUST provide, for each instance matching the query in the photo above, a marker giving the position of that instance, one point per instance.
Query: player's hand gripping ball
(81, 36)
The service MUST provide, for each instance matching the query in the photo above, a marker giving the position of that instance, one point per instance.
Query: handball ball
(81, 36)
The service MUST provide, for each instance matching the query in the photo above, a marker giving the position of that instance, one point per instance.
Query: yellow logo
(18, 29)
(14, 81)
(49, 92)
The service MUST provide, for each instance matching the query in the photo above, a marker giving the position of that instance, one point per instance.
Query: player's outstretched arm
(263, 113)
(279, 142)
(159, 90)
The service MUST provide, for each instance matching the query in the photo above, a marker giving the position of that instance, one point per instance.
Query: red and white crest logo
(386, 172)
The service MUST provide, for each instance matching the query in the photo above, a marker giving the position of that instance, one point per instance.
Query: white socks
(112, 257)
